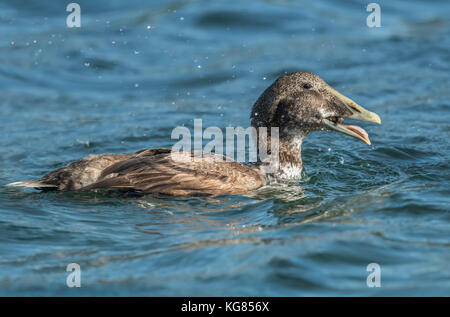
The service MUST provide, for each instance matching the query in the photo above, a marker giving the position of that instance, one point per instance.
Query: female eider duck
(297, 103)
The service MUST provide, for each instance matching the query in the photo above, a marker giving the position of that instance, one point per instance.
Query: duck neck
(289, 161)
(282, 159)
(290, 156)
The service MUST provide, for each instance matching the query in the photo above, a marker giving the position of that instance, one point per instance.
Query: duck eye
(307, 86)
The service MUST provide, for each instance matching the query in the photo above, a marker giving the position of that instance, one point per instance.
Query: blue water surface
(135, 70)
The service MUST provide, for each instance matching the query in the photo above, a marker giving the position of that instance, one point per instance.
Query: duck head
(301, 103)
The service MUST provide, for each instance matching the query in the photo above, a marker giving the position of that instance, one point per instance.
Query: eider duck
(298, 104)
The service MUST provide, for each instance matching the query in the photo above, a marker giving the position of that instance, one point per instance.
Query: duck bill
(352, 130)
(357, 113)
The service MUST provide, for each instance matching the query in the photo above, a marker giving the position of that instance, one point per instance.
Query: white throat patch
(290, 171)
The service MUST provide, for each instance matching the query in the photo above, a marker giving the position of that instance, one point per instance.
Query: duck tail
(31, 184)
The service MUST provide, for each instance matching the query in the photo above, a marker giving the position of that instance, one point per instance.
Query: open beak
(358, 113)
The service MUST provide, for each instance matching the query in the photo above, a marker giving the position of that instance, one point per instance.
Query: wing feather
(174, 174)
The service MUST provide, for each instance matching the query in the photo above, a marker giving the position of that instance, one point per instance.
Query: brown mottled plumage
(298, 103)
